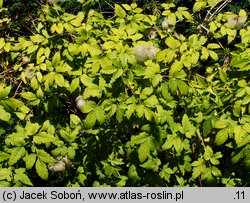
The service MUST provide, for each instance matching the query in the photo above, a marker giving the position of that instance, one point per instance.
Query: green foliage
(135, 99)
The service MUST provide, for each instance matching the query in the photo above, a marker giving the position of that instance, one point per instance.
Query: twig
(223, 5)
(17, 89)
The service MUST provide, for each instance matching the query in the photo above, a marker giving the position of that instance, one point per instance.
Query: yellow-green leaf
(119, 11)
(42, 170)
(221, 137)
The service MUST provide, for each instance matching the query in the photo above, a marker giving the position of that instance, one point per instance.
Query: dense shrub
(133, 99)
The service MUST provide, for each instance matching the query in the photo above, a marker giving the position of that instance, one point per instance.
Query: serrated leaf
(116, 75)
(43, 138)
(127, 7)
(213, 55)
(148, 114)
(215, 171)
(93, 91)
(23, 178)
(30, 160)
(37, 38)
(119, 11)
(2, 43)
(221, 137)
(16, 154)
(42, 170)
(198, 6)
(185, 122)
(132, 174)
(31, 128)
(208, 153)
(214, 161)
(152, 164)
(143, 151)
(90, 105)
(56, 59)
(4, 116)
(213, 46)
(4, 91)
(4, 156)
(172, 42)
(182, 86)
(223, 75)
(86, 80)
(59, 80)
(75, 119)
(28, 95)
(44, 156)
(5, 174)
(100, 115)
(130, 110)
(119, 114)
(206, 127)
(220, 124)
(241, 136)
(90, 120)
(204, 53)
(74, 85)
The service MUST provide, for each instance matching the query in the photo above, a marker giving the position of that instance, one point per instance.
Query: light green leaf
(16, 154)
(5, 174)
(2, 43)
(119, 11)
(90, 105)
(4, 91)
(44, 156)
(28, 95)
(175, 67)
(4, 116)
(59, 80)
(241, 136)
(183, 87)
(74, 119)
(223, 75)
(23, 178)
(213, 55)
(37, 38)
(221, 137)
(30, 160)
(31, 128)
(74, 85)
(151, 101)
(116, 75)
(56, 59)
(93, 91)
(144, 151)
(119, 114)
(204, 53)
(130, 110)
(208, 153)
(86, 80)
(152, 164)
(219, 124)
(100, 115)
(42, 170)
(198, 6)
(213, 46)
(148, 114)
(132, 174)
(127, 7)
(90, 120)
(206, 127)
(4, 156)
(172, 42)
(43, 138)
